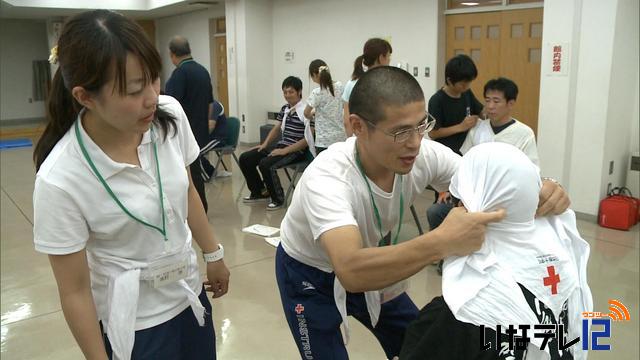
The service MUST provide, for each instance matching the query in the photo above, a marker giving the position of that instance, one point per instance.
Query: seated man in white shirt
(500, 97)
(529, 271)
(340, 252)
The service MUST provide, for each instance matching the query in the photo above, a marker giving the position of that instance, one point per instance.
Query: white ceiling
(9, 11)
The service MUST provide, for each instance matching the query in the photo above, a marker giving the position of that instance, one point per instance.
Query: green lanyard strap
(376, 212)
(106, 186)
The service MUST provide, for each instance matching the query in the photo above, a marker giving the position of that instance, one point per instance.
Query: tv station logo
(596, 326)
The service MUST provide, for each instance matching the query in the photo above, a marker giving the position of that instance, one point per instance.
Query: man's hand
(469, 122)
(260, 148)
(553, 199)
(464, 231)
(217, 278)
(279, 152)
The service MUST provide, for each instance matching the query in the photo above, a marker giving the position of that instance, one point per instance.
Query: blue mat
(15, 143)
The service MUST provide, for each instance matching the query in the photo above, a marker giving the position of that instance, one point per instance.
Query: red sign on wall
(557, 59)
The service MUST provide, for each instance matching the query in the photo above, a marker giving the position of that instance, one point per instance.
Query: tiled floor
(249, 320)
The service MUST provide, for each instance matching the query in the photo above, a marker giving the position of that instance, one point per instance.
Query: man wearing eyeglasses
(341, 253)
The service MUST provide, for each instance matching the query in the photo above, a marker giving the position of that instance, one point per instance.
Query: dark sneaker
(274, 206)
(255, 198)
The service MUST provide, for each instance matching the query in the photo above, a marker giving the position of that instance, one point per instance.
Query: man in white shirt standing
(339, 253)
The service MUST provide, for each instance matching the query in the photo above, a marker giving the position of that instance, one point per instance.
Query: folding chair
(231, 142)
(298, 168)
(415, 218)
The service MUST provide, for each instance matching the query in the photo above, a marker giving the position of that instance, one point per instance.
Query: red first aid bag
(619, 210)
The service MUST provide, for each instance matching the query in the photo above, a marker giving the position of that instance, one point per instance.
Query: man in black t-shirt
(456, 110)
(454, 106)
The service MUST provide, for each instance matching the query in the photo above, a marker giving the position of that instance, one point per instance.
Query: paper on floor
(261, 230)
(273, 241)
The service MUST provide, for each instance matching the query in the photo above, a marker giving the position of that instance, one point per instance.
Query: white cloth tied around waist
(374, 300)
(124, 277)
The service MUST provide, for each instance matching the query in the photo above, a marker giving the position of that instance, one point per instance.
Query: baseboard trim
(28, 122)
(587, 217)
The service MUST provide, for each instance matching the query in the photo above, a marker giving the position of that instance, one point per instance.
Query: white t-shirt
(73, 211)
(348, 87)
(332, 193)
(517, 134)
(329, 123)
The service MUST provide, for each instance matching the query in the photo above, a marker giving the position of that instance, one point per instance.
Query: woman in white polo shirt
(114, 204)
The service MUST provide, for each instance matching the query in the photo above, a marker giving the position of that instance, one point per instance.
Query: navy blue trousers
(307, 299)
(180, 338)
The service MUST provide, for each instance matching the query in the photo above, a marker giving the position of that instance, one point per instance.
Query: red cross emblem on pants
(552, 280)
(299, 308)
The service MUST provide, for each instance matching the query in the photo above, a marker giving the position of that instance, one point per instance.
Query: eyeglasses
(427, 124)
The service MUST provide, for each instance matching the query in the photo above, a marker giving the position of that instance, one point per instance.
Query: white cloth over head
(482, 288)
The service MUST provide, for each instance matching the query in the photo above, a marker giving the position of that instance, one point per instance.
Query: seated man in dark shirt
(290, 148)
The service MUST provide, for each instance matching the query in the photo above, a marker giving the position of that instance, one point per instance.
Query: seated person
(500, 97)
(217, 138)
(296, 137)
(528, 271)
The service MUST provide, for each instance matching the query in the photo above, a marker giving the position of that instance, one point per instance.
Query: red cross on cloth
(299, 308)
(552, 280)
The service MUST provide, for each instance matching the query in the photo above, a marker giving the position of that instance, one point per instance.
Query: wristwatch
(214, 256)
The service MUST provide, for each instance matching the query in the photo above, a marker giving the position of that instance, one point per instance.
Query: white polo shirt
(332, 193)
(518, 134)
(73, 211)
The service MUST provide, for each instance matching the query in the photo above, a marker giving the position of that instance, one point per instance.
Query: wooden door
(520, 51)
(502, 43)
(476, 35)
(149, 27)
(221, 72)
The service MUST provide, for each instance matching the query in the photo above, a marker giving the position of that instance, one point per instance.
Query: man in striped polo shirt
(291, 147)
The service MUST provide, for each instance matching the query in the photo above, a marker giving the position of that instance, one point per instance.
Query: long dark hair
(371, 52)
(93, 47)
(320, 67)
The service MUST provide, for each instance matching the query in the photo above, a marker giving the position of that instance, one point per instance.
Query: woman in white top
(114, 204)
(376, 52)
(325, 105)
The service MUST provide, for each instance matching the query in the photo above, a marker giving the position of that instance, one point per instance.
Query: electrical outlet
(610, 167)
(608, 188)
(415, 71)
(427, 72)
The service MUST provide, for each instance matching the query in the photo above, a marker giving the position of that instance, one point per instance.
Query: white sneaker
(223, 173)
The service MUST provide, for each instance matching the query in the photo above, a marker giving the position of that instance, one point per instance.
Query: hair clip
(53, 55)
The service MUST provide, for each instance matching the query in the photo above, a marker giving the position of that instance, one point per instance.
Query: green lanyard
(375, 208)
(106, 186)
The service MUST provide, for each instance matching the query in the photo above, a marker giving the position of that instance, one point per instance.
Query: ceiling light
(470, 3)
